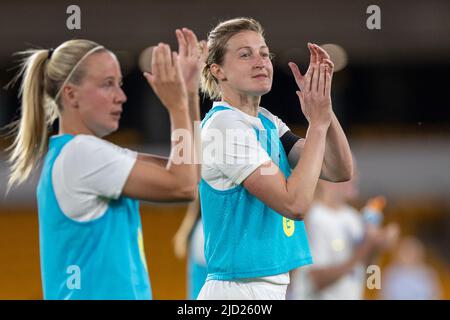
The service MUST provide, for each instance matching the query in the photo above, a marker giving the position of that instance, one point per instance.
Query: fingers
(176, 66)
(299, 79)
(157, 61)
(149, 77)
(162, 65)
(192, 42)
(167, 60)
(321, 53)
(315, 78)
(182, 43)
(322, 75)
(313, 54)
(328, 77)
(329, 63)
(187, 42)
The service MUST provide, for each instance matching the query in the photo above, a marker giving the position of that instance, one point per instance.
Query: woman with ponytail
(255, 191)
(89, 224)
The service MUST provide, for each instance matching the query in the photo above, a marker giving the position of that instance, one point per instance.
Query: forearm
(180, 162)
(194, 111)
(338, 163)
(158, 160)
(302, 183)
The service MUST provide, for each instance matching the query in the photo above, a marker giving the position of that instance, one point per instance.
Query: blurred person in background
(91, 243)
(343, 243)
(189, 240)
(408, 277)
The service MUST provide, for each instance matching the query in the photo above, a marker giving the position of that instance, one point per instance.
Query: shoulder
(88, 148)
(266, 113)
(88, 143)
(279, 124)
(227, 119)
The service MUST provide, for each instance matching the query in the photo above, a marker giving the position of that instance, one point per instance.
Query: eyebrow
(112, 77)
(247, 47)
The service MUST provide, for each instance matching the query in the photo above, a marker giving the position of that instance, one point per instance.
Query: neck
(72, 127)
(245, 103)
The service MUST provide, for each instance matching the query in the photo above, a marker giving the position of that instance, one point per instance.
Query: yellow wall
(19, 252)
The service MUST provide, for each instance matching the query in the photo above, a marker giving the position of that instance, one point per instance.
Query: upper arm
(95, 167)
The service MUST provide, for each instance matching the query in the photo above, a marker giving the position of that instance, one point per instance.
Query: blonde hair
(43, 77)
(217, 41)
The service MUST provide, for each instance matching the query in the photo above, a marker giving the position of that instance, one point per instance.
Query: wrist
(193, 93)
(180, 108)
(320, 128)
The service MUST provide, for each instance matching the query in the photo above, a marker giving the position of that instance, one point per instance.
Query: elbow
(187, 193)
(297, 211)
(344, 175)
(347, 174)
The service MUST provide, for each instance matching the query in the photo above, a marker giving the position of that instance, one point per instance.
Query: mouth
(261, 76)
(116, 114)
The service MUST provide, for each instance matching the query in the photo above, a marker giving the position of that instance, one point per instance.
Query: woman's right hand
(166, 79)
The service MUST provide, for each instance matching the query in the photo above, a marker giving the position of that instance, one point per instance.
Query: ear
(217, 72)
(70, 96)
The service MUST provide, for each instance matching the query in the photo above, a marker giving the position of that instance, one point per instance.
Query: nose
(259, 62)
(121, 97)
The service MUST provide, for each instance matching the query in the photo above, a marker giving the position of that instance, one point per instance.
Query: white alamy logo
(74, 20)
(374, 280)
(74, 280)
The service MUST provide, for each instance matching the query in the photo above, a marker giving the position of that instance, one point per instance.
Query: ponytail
(37, 113)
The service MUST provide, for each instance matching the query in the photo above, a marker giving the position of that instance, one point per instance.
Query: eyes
(248, 54)
(111, 83)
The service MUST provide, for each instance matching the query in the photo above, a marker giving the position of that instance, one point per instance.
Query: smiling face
(99, 96)
(247, 68)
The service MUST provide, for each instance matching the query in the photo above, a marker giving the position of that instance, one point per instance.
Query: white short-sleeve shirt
(87, 174)
(231, 151)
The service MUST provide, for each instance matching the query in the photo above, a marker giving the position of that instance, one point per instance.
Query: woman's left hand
(317, 56)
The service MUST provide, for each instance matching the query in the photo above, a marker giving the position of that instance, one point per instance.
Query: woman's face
(100, 96)
(247, 68)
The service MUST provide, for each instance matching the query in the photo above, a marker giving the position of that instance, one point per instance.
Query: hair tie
(50, 53)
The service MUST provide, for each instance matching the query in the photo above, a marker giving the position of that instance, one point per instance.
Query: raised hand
(317, 55)
(315, 86)
(192, 54)
(166, 78)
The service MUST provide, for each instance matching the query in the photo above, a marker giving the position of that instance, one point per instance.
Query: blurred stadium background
(391, 95)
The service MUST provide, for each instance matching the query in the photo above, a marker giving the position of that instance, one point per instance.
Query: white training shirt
(87, 174)
(238, 158)
(227, 167)
(333, 235)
